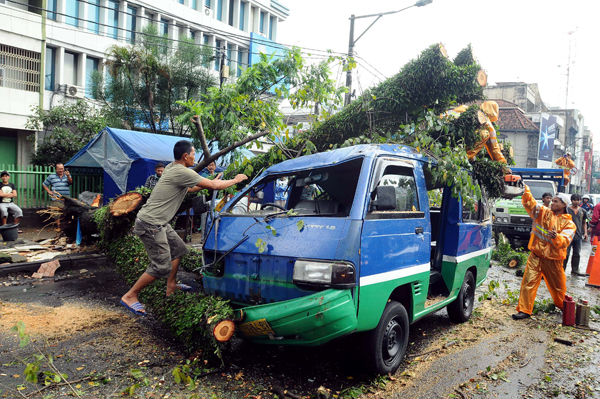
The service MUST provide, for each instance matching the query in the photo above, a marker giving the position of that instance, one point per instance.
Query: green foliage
(234, 111)
(491, 291)
(67, 127)
(148, 78)
(192, 260)
(19, 328)
(405, 109)
(504, 253)
(185, 314)
(189, 372)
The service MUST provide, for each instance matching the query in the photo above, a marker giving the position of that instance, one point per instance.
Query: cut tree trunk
(126, 203)
(224, 330)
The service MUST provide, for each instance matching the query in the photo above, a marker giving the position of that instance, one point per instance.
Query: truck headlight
(324, 273)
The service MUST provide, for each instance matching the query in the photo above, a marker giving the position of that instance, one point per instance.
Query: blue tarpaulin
(129, 157)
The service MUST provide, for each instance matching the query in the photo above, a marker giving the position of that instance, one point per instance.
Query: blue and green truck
(355, 249)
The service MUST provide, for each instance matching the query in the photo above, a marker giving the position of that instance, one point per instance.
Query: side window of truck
(471, 215)
(407, 197)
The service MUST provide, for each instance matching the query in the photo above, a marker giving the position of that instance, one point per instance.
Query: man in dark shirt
(579, 216)
(153, 179)
(8, 191)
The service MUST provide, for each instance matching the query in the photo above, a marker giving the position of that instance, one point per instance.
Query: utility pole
(352, 42)
(350, 55)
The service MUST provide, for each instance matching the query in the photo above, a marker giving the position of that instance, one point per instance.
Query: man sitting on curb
(8, 191)
(553, 232)
(163, 246)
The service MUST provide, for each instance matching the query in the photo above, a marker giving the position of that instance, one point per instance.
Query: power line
(207, 28)
(106, 34)
(366, 62)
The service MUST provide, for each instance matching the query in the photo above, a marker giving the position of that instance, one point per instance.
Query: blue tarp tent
(129, 157)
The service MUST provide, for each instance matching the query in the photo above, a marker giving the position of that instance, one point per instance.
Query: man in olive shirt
(163, 246)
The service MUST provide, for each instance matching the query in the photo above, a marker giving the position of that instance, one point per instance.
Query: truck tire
(387, 343)
(460, 310)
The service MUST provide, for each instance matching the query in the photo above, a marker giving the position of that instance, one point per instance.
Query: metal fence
(28, 181)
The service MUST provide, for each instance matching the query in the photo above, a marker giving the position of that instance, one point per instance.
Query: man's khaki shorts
(162, 246)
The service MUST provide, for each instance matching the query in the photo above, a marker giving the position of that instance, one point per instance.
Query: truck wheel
(387, 343)
(460, 310)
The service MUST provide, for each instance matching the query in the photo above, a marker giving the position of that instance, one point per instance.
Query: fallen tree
(411, 108)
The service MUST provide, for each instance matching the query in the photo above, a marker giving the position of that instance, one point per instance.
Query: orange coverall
(567, 165)
(547, 254)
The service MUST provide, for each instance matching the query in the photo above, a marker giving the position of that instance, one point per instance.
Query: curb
(67, 262)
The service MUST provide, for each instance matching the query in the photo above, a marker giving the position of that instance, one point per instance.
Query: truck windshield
(321, 191)
(538, 188)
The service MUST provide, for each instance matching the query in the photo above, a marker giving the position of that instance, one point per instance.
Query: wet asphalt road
(522, 352)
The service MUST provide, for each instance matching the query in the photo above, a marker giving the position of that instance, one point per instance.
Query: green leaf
(300, 225)
(137, 373)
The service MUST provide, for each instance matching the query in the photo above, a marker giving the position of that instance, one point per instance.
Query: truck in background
(510, 217)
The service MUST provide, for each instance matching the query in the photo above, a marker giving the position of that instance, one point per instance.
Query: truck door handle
(418, 230)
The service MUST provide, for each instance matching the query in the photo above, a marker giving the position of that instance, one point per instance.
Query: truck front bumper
(311, 320)
(513, 230)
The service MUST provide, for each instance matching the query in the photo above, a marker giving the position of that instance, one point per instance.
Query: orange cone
(594, 280)
(592, 255)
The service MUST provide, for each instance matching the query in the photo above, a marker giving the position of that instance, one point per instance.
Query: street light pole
(352, 42)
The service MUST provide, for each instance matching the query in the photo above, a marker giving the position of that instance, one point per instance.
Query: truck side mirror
(386, 199)
(199, 205)
(561, 189)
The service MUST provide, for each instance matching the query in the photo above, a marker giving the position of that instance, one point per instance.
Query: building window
(271, 23)
(91, 66)
(220, 10)
(217, 55)
(231, 5)
(130, 24)
(180, 1)
(207, 3)
(195, 4)
(242, 14)
(51, 14)
(113, 18)
(241, 62)
(70, 73)
(94, 16)
(72, 12)
(261, 27)
(164, 27)
(193, 35)
(19, 69)
(49, 71)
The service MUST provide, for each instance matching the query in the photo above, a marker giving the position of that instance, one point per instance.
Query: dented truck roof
(330, 158)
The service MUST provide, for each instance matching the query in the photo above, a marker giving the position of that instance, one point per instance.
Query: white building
(45, 59)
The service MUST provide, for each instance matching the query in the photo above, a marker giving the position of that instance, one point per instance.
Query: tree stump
(126, 204)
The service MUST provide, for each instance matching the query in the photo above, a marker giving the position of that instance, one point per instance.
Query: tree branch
(201, 165)
(205, 151)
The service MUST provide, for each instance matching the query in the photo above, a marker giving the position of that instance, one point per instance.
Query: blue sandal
(135, 308)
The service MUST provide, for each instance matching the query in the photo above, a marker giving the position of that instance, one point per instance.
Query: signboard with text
(548, 129)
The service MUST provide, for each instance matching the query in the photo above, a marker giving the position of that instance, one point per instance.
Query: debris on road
(47, 269)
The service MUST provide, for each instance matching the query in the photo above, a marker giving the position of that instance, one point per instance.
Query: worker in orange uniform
(553, 232)
(567, 164)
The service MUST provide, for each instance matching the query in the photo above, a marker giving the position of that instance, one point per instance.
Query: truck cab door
(395, 243)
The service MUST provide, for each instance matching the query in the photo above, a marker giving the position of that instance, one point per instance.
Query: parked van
(361, 245)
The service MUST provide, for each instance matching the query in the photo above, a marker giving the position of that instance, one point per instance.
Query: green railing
(28, 181)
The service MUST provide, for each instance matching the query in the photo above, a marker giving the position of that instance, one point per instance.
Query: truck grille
(521, 220)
